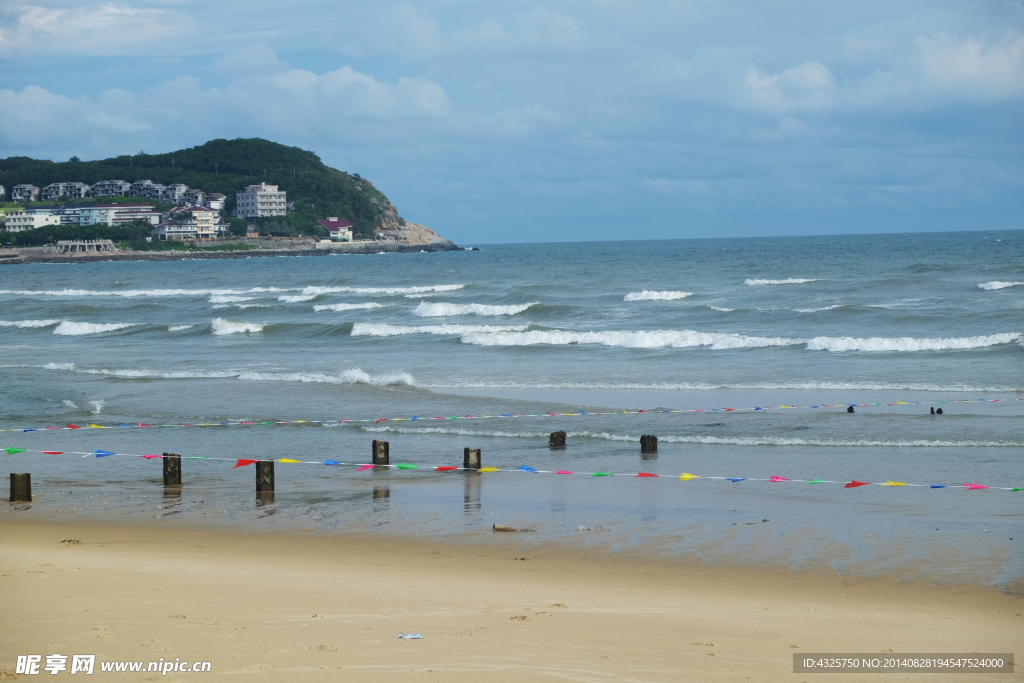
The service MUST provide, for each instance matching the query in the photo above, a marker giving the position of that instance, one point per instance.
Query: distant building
(73, 190)
(110, 188)
(68, 215)
(84, 246)
(20, 221)
(152, 191)
(202, 225)
(215, 201)
(173, 193)
(339, 230)
(115, 214)
(193, 198)
(24, 193)
(139, 188)
(261, 200)
(3, 192)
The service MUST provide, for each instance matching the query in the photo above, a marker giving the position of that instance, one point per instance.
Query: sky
(522, 121)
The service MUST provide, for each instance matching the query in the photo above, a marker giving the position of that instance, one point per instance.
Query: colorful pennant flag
(244, 462)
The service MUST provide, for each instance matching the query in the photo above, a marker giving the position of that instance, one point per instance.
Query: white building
(261, 200)
(339, 230)
(110, 188)
(215, 201)
(173, 193)
(139, 188)
(114, 214)
(3, 191)
(68, 215)
(19, 221)
(73, 190)
(178, 225)
(24, 193)
(153, 191)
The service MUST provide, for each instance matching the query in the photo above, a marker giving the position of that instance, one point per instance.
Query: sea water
(533, 329)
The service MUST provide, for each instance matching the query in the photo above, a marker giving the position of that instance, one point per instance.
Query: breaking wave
(224, 299)
(345, 307)
(629, 339)
(716, 386)
(28, 323)
(430, 310)
(998, 284)
(818, 310)
(74, 329)
(876, 344)
(140, 292)
(221, 326)
(710, 440)
(96, 407)
(297, 298)
(655, 296)
(350, 376)
(790, 281)
(383, 330)
(382, 290)
(719, 308)
(178, 328)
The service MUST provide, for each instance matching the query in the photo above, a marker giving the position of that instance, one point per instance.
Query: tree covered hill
(227, 166)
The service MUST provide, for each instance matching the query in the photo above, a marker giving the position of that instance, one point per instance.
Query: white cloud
(972, 67)
(807, 86)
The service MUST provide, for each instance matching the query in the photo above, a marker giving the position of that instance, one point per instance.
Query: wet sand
(313, 606)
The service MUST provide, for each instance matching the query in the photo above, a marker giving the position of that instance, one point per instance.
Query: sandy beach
(311, 606)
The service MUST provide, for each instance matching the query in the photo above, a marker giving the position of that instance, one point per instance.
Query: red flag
(242, 462)
(71, 426)
(646, 474)
(854, 484)
(54, 452)
(446, 468)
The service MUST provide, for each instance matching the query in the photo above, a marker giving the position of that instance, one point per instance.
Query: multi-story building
(114, 214)
(153, 191)
(188, 223)
(261, 200)
(172, 193)
(19, 221)
(73, 190)
(139, 188)
(68, 215)
(110, 188)
(215, 201)
(24, 193)
(192, 198)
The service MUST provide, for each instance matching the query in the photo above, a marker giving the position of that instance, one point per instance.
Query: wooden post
(471, 458)
(557, 439)
(648, 443)
(265, 476)
(381, 492)
(380, 453)
(21, 488)
(172, 469)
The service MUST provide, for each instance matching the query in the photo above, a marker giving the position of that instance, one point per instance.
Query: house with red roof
(340, 230)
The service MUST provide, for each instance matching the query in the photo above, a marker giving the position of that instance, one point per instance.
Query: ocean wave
(877, 344)
(28, 323)
(791, 281)
(656, 296)
(719, 308)
(70, 328)
(350, 376)
(420, 296)
(745, 386)
(709, 440)
(818, 310)
(221, 326)
(96, 407)
(178, 328)
(346, 307)
(229, 299)
(140, 292)
(432, 310)
(294, 299)
(639, 339)
(382, 290)
(999, 284)
(383, 330)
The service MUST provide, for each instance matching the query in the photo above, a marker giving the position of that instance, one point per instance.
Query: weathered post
(557, 439)
(471, 458)
(380, 453)
(21, 488)
(264, 476)
(381, 492)
(648, 443)
(172, 469)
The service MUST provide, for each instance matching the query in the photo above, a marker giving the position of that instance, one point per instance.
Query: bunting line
(525, 469)
(578, 413)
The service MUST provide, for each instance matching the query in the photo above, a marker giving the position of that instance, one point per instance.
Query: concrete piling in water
(648, 443)
(381, 455)
(264, 476)
(21, 488)
(557, 439)
(471, 458)
(172, 469)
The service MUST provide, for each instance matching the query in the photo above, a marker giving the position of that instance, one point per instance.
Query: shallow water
(523, 329)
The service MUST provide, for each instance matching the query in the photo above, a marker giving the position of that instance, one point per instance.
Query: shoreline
(314, 606)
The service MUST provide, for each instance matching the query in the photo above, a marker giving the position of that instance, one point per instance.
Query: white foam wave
(178, 328)
(656, 296)
(432, 310)
(818, 310)
(28, 323)
(297, 298)
(639, 339)
(420, 296)
(140, 292)
(350, 376)
(70, 328)
(241, 306)
(790, 281)
(382, 290)
(710, 440)
(877, 344)
(229, 299)
(717, 386)
(999, 284)
(382, 330)
(221, 326)
(719, 308)
(346, 307)
(96, 407)
(71, 404)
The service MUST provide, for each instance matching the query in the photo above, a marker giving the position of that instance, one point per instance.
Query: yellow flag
(488, 469)
(686, 476)
(97, 426)
(894, 483)
(288, 460)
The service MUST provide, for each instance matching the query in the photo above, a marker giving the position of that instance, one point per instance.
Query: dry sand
(308, 607)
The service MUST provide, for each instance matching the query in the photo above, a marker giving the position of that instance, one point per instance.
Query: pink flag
(363, 468)
(563, 472)
(972, 487)
(777, 478)
(150, 457)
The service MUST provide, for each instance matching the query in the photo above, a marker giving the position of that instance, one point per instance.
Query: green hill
(227, 166)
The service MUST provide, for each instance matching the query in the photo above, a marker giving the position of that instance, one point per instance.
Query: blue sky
(525, 121)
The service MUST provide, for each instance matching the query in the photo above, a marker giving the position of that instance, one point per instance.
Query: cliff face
(390, 227)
